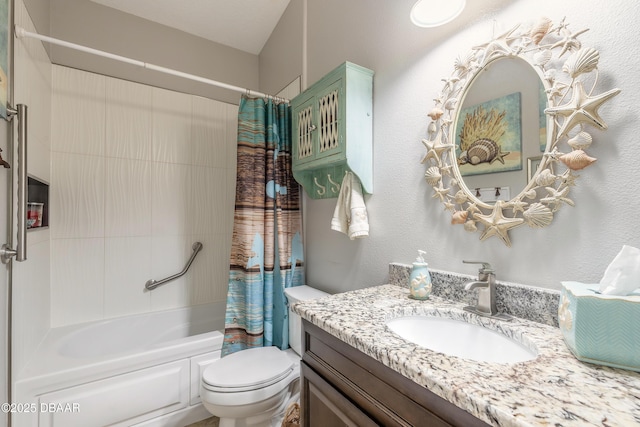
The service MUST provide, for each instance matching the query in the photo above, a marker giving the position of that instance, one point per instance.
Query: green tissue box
(600, 329)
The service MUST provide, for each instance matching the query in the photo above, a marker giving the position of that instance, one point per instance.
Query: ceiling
(242, 24)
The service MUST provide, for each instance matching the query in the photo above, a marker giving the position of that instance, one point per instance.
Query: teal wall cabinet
(333, 131)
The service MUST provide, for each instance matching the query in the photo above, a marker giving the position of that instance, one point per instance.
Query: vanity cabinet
(342, 386)
(332, 131)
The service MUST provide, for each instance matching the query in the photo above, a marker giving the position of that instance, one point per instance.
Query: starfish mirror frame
(565, 68)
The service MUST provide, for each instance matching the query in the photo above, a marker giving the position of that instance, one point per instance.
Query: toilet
(254, 387)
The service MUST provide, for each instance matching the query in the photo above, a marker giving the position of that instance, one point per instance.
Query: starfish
(448, 206)
(435, 148)
(568, 178)
(497, 46)
(517, 205)
(440, 192)
(569, 41)
(556, 197)
(581, 108)
(496, 224)
(500, 155)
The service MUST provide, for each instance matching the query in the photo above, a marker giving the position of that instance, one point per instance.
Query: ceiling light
(428, 13)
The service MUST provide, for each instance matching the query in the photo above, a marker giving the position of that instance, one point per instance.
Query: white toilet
(254, 387)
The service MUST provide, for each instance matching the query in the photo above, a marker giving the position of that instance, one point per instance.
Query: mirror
(511, 127)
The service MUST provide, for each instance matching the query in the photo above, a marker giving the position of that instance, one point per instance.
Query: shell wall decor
(569, 73)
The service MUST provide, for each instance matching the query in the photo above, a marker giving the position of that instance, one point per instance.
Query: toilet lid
(248, 369)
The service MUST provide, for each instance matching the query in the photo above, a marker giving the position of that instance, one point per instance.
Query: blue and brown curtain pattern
(266, 249)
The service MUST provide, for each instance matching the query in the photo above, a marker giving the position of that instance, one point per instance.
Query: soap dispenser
(420, 279)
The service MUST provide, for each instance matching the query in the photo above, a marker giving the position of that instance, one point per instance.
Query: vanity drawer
(380, 392)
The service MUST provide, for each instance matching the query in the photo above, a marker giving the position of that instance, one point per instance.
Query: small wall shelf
(333, 131)
(37, 193)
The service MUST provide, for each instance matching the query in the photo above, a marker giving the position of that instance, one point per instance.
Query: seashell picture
(489, 136)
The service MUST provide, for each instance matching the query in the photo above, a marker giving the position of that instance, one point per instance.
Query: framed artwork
(542, 117)
(4, 60)
(489, 136)
(532, 166)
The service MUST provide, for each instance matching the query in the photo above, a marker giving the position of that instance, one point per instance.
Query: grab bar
(20, 252)
(152, 284)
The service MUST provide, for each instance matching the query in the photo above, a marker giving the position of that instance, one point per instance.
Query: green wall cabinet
(333, 131)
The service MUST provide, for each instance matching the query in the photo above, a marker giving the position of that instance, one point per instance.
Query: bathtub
(141, 370)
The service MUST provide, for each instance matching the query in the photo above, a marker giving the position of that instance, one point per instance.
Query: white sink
(460, 339)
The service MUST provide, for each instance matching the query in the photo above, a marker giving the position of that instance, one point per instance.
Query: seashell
(582, 61)
(459, 217)
(451, 103)
(431, 129)
(538, 215)
(435, 113)
(460, 197)
(531, 194)
(545, 178)
(577, 160)
(464, 64)
(483, 150)
(470, 226)
(541, 58)
(540, 29)
(581, 141)
(433, 176)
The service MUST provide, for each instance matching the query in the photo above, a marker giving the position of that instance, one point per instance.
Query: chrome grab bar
(20, 252)
(152, 284)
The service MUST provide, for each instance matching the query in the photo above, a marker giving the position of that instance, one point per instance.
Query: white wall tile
(171, 127)
(127, 269)
(208, 132)
(128, 207)
(171, 193)
(31, 279)
(31, 301)
(77, 280)
(131, 210)
(77, 196)
(210, 270)
(206, 212)
(78, 102)
(128, 120)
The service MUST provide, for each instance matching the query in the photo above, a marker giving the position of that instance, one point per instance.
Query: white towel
(350, 215)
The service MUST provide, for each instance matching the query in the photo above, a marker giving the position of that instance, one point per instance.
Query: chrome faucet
(486, 285)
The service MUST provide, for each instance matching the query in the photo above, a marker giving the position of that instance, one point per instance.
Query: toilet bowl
(254, 387)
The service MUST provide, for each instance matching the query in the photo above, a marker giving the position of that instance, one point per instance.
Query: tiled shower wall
(138, 174)
(31, 288)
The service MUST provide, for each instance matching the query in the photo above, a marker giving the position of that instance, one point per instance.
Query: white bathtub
(138, 370)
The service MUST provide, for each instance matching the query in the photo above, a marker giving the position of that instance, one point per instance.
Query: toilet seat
(247, 370)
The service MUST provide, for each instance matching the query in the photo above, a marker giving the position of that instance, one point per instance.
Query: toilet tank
(294, 295)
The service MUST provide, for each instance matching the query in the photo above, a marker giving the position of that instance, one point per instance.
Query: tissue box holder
(600, 329)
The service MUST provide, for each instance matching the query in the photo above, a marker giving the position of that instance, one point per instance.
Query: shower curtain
(266, 248)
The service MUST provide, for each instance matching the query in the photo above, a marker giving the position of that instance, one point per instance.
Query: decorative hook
(335, 187)
(497, 191)
(322, 190)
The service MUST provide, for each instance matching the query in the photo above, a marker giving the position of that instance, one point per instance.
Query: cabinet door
(304, 132)
(325, 406)
(330, 120)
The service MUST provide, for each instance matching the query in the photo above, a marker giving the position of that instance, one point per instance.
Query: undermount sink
(461, 339)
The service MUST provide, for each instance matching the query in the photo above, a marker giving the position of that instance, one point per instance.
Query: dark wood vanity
(341, 386)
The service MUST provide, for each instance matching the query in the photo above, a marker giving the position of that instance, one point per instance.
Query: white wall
(409, 63)
(138, 175)
(31, 291)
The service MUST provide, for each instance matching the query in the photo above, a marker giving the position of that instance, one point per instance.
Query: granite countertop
(555, 389)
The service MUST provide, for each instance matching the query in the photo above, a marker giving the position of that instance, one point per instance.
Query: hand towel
(350, 215)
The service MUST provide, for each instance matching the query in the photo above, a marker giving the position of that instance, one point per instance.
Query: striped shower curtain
(266, 250)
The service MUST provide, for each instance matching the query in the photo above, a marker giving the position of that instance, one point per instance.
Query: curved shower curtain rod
(21, 32)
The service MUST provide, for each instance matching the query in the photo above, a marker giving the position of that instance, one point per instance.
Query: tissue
(622, 276)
